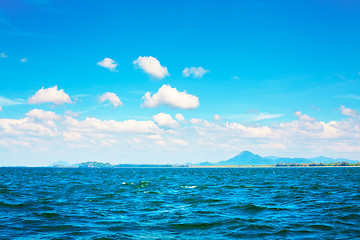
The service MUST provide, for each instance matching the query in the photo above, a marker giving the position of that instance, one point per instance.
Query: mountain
(247, 158)
(59, 164)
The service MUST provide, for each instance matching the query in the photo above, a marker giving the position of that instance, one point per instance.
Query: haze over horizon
(177, 82)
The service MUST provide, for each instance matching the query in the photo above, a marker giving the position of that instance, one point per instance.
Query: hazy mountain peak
(59, 163)
(246, 153)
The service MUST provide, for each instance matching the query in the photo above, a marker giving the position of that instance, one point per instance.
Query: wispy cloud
(3, 55)
(264, 116)
(8, 102)
(253, 115)
(355, 97)
(196, 72)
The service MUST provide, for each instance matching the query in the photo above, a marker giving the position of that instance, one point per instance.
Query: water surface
(180, 203)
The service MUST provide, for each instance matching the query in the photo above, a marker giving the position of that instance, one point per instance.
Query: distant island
(108, 165)
(247, 158)
(243, 159)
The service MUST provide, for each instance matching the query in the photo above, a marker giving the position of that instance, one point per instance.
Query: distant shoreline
(189, 166)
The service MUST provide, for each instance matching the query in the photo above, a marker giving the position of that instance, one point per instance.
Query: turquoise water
(184, 203)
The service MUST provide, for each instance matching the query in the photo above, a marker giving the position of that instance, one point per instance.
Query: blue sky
(274, 77)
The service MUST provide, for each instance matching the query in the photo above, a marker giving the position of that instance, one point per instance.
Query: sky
(177, 81)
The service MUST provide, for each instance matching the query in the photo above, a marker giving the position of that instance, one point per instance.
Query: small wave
(188, 186)
(246, 186)
(321, 227)
(255, 208)
(8, 205)
(349, 217)
(48, 215)
(196, 225)
(292, 233)
(142, 184)
(257, 227)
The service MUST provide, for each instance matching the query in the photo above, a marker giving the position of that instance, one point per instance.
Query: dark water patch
(48, 215)
(321, 227)
(13, 206)
(196, 225)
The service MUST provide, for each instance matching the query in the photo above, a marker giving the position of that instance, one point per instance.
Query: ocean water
(180, 203)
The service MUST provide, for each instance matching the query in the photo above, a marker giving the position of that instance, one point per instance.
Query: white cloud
(112, 98)
(23, 60)
(3, 55)
(50, 95)
(161, 143)
(1, 109)
(179, 117)
(196, 121)
(151, 66)
(264, 116)
(165, 120)
(27, 127)
(217, 117)
(69, 113)
(108, 63)
(196, 72)
(43, 115)
(303, 117)
(92, 125)
(178, 141)
(171, 97)
(8, 102)
(349, 112)
(72, 136)
(155, 137)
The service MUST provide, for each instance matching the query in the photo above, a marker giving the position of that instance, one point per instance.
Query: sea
(180, 203)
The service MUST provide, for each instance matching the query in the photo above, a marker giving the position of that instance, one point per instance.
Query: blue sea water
(180, 203)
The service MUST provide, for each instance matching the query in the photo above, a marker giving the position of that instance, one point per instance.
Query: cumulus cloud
(303, 134)
(50, 95)
(196, 72)
(151, 66)
(27, 127)
(43, 115)
(3, 55)
(108, 63)
(23, 60)
(165, 120)
(112, 98)
(179, 117)
(171, 97)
